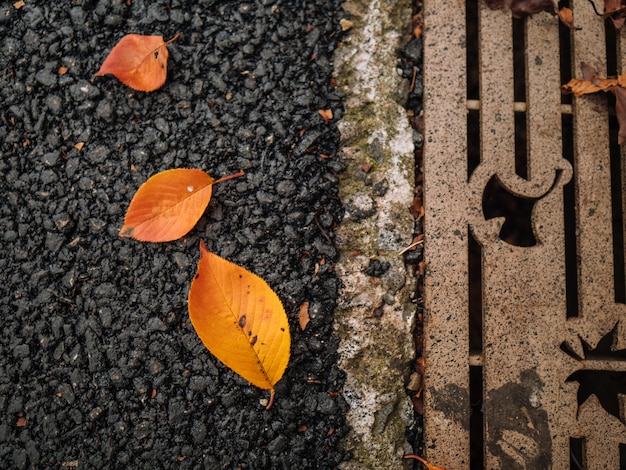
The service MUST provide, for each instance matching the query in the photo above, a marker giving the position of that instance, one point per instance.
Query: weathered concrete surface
(375, 316)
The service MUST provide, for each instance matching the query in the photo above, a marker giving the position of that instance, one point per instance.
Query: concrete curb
(375, 317)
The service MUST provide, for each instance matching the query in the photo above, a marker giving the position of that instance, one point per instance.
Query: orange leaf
(327, 114)
(168, 205)
(591, 82)
(139, 62)
(240, 320)
(567, 17)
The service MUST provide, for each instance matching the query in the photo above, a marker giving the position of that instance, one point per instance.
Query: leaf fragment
(138, 61)
(523, 8)
(592, 82)
(567, 18)
(303, 315)
(240, 320)
(327, 115)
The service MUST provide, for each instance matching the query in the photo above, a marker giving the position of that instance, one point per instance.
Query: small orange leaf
(138, 61)
(168, 205)
(327, 114)
(567, 17)
(240, 320)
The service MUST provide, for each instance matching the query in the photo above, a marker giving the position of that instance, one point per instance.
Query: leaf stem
(272, 395)
(173, 39)
(230, 177)
(165, 44)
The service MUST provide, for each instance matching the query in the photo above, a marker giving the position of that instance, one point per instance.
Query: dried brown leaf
(495, 4)
(303, 316)
(611, 6)
(524, 8)
(591, 82)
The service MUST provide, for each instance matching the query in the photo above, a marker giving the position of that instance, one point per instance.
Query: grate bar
(446, 284)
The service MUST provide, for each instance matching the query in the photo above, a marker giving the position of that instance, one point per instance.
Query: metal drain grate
(525, 327)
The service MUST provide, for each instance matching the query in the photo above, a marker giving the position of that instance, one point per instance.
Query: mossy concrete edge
(375, 316)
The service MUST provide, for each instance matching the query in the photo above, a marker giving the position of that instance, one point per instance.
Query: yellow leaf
(240, 320)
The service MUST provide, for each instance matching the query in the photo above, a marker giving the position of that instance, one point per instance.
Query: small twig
(594, 7)
(229, 177)
(413, 79)
(411, 246)
(322, 230)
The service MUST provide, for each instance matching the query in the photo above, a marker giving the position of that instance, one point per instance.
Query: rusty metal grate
(525, 326)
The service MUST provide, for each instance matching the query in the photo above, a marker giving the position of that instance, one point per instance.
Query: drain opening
(617, 178)
(617, 208)
(519, 94)
(473, 90)
(576, 453)
(476, 349)
(569, 190)
(569, 215)
(475, 300)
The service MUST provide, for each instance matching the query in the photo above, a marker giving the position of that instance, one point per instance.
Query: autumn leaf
(592, 82)
(526, 8)
(614, 10)
(327, 115)
(240, 320)
(168, 205)
(523, 8)
(612, 6)
(138, 61)
(567, 18)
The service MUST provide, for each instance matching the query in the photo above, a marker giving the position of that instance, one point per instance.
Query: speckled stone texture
(531, 342)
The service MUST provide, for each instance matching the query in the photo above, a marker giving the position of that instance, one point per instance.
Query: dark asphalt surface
(99, 364)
